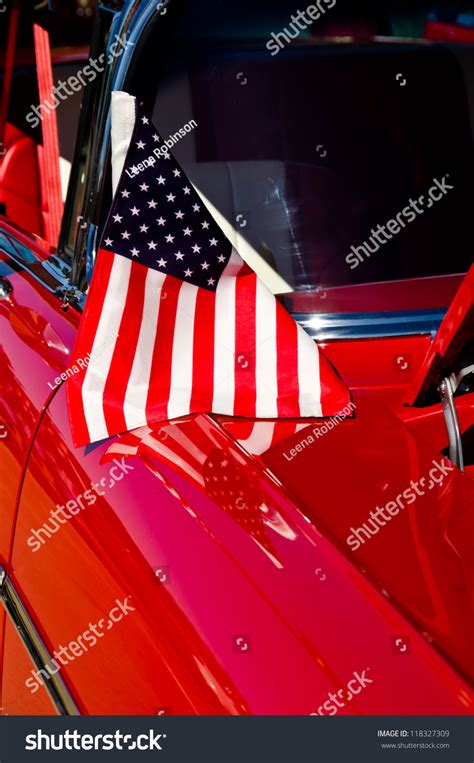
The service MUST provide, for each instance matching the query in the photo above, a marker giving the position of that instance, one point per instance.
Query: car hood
(293, 492)
(340, 473)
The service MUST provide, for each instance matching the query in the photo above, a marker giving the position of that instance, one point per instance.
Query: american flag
(176, 322)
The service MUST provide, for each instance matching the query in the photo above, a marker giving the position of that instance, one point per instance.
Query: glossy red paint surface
(421, 555)
(251, 607)
(451, 342)
(35, 343)
(429, 425)
(383, 368)
(16, 697)
(309, 617)
(441, 31)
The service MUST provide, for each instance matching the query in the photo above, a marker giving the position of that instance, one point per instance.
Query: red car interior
(30, 185)
(20, 187)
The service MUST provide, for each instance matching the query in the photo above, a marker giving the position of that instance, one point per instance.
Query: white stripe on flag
(183, 352)
(134, 406)
(308, 376)
(103, 348)
(266, 381)
(224, 338)
(122, 106)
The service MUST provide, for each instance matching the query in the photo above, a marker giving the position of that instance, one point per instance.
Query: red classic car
(214, 565)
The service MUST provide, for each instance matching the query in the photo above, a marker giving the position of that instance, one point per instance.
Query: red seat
(20, 188)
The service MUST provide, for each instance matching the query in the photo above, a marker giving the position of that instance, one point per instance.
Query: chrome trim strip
(446, 393)
(326, 326)
(447, 389)
(56, 688)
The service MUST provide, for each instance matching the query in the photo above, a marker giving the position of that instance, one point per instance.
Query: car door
(35, 331)
(99, 570)
(36, 338)
(35, 342)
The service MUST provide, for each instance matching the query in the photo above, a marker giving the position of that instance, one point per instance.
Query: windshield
(314, 155)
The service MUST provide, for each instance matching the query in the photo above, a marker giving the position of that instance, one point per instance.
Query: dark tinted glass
(308, 151)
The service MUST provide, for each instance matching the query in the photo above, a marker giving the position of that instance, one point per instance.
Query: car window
(67, 119)
(305, 154)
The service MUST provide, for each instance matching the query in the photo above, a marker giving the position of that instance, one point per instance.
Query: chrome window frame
(370, 325)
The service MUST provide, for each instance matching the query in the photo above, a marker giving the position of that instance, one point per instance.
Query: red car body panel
(421, 558)
(263, 613)
(380, 368)
(16, 696)
(426, 293)
(452, 338)
(36, 342)
(223, 583)
(440, 31)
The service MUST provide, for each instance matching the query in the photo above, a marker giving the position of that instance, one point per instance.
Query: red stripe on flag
(124, 352)
(203, 354)
(160, 374)
(334, 395)
(84, 344)
(287, 364)
(245, 343)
